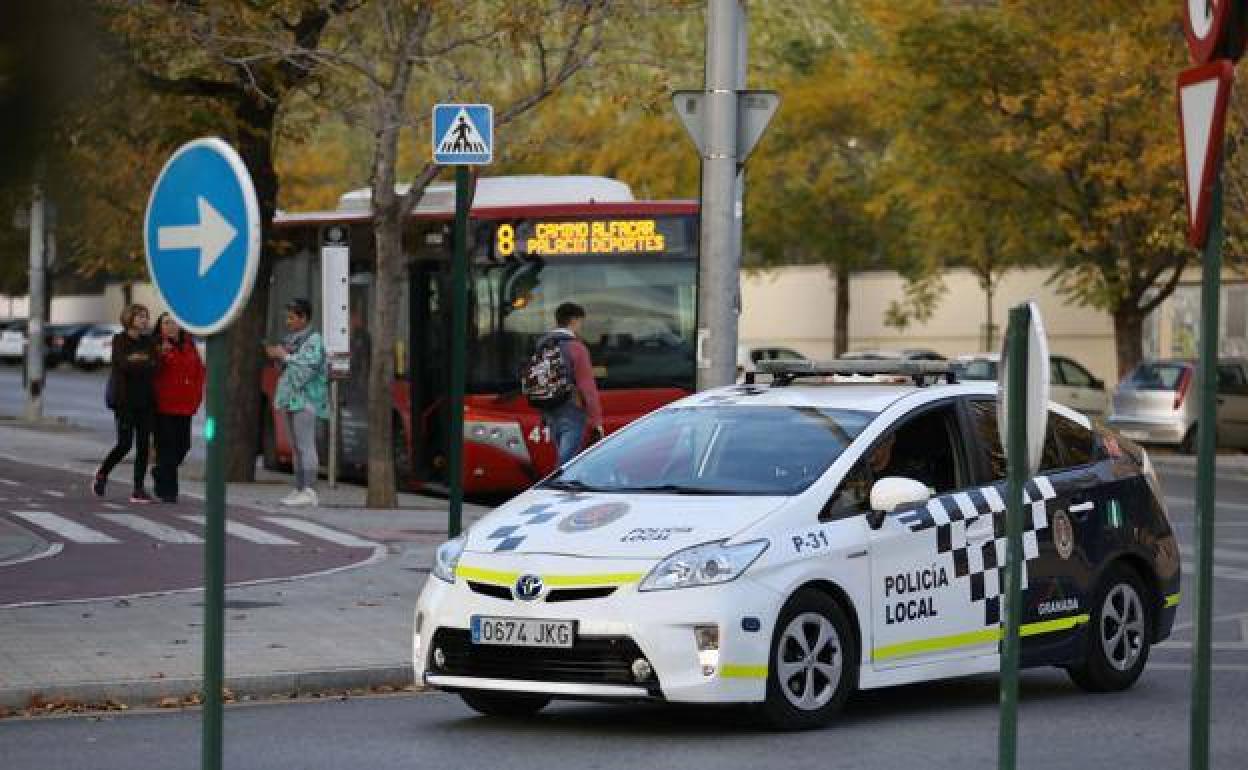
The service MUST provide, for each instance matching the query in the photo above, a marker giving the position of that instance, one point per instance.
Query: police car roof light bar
(922, 372)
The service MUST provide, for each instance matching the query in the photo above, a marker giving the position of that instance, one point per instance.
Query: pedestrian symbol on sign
(463, 134)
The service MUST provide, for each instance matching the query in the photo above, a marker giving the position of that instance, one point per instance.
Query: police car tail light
(707, 640)
(702, 565)
(506, 436)
(446, 558)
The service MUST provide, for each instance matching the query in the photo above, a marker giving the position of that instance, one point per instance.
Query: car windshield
(1155, 376)
(719, 450)
(978, 369)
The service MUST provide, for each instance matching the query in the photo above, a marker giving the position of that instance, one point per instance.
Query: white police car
(785, 544)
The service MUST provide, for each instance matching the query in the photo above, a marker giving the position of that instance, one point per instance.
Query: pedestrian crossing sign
(463, 134)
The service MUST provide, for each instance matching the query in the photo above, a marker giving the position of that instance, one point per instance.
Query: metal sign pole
(1211, 286)
(214, 555)
(335, 415)
(459, 335)
(1016, 476)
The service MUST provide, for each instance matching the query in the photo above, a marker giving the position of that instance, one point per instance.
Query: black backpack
(546, 378)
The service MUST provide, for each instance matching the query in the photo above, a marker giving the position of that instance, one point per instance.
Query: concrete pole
(35, 305)
(720, 263)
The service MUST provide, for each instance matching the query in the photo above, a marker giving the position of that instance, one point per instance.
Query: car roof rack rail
(922, 372)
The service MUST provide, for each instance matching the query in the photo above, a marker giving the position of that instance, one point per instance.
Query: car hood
(614, 526)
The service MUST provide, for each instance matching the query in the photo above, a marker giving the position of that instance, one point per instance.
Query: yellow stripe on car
(737, 671)
(496, 577)
(986, 636)
(1173, 600)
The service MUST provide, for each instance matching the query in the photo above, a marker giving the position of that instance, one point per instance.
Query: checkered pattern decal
(510, 537)
(983, 565)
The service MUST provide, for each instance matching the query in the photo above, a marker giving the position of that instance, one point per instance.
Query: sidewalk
(346, 630)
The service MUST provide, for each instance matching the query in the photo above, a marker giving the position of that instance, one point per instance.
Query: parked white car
(96, 347)
(13, 343)
(1070, 384)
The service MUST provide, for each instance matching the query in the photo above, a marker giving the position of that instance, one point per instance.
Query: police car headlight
(446, 558)
(703, 565)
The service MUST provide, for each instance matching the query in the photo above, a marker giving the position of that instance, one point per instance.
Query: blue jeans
(567, 429)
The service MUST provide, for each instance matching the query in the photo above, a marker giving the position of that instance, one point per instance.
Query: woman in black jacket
(132, 398)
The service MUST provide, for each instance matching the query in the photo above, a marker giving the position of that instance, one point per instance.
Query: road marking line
(115, 506)
(1217, 503)
(317, 531)
(51, 550)
(245, 532)
(53, 493)
(1230, 573)
(1172, 644)
(10, 482)
(1186, 667)
(1219, 554)
(153, 529)
(70, 530)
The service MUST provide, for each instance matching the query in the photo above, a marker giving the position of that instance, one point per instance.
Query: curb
(148, 692)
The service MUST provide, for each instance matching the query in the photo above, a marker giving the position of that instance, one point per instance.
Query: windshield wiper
(570, 484)
(678, 489)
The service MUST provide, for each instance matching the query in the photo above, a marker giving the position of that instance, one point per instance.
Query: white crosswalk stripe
(324, 533)
(153, 529)
(64, 528)
(246, 532)
(11, 482)
(53, 493)
(1219, 554)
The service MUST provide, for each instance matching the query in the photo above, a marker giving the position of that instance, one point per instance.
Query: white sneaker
(311, 498)
(294, 498)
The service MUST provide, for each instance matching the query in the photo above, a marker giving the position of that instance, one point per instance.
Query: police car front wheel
(813, 663)
(1118, 634)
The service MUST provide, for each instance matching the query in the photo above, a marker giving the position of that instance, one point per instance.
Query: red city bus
(534, 243)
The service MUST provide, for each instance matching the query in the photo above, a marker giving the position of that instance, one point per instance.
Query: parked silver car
(1070, 383)
(1157, 403)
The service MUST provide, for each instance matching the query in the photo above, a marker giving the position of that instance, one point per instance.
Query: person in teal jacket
(302, 396)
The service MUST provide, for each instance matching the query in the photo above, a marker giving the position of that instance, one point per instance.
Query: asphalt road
(951, 724)
(77, 396)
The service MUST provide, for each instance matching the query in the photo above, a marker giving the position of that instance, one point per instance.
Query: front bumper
(1159, 431)
(612, 632)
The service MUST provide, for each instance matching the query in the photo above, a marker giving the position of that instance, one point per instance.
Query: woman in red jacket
(179, 388)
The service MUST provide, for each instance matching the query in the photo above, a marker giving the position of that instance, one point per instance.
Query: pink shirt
(583, 373)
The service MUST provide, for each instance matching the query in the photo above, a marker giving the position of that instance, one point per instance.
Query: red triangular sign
(1204, 93)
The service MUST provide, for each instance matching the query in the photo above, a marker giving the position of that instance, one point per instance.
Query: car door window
(1078, 442)
(1231, 379)
(1055, 373)
(991, 452)
(1074, 375)
(926, 448)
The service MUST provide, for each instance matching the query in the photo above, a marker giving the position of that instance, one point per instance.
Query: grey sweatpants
(301, 427)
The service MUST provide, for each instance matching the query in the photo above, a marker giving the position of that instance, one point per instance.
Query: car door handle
(1081, 510)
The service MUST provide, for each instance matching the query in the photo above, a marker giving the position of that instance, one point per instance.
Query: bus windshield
(640, 312)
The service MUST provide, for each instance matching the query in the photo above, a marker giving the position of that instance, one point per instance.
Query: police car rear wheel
(1118, 637)
(813, 662)
(504, 704)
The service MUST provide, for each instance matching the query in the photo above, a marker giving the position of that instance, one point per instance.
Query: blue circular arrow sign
(202, 235)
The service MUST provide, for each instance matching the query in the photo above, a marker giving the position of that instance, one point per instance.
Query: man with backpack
(559, 381)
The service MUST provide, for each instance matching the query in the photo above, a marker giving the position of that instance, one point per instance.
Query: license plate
(523, 632)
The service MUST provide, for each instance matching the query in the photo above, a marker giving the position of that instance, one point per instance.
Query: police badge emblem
(1063, 535)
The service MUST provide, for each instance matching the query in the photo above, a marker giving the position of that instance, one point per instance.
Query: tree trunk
(841, 323)
(388, 233)
(244, 361)
(990, 328)
(1128, 338)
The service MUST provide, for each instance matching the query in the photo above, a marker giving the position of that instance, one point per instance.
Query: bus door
(429, 373)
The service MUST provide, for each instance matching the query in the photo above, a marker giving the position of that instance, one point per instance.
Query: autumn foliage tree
(1077, 119)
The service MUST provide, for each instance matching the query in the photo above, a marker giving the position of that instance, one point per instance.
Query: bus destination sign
(537, 238)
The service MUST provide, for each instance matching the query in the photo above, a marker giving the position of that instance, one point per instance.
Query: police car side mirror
(893, 492)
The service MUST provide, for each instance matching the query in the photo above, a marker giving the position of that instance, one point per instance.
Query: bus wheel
(404, 472)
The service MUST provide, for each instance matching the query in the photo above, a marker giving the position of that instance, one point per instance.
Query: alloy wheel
(1122, 627)
(809, 661)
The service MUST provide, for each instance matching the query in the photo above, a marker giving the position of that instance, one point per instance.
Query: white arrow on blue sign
(463, 134)
(202, 235)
